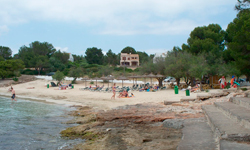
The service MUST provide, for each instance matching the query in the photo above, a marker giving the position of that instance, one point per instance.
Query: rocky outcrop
(132, 126)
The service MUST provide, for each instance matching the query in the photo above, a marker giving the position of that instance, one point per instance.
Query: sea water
(31, 125)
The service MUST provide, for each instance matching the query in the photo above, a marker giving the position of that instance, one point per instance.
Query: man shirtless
(13, 97)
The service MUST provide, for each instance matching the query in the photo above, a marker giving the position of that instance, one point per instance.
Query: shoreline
(43, 100)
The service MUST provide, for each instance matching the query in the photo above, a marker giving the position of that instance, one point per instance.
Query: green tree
(5, 52)
(1, 58)
(242, 5)
(129, 50)
(9, 67)
(238, 41)
(27, 56)
(44, 48)
(178, 64)
(36, 55)
(111, 58)
(63, 57)
(41, 62)
(143, 56)
(94, 56)
(56, 64)
(206, 39)
(79, 58)
(105, 71)
(209, 42)
(76, 73)
(58, 76)
(198, 68)
(156, 68)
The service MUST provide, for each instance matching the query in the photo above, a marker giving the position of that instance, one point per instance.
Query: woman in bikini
(113, 89)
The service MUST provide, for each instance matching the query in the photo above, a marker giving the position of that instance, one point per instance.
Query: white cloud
(3, 29)
(65, 49)
(117, 17)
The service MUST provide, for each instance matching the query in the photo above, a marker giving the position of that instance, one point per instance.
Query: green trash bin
(176, 89)
(187, 92)
(72, 86)
(47, 85)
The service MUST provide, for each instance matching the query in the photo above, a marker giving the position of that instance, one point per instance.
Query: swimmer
(13, 97)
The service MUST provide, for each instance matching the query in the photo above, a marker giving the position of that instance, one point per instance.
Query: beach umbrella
(133, 77)
(136, 77)
(122, 78)
(96, 78)
(85, 78)
(151, 75)
(110, 78)
(144, 76)
(103, 78)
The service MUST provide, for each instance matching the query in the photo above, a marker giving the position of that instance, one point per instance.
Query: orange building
(129, 60)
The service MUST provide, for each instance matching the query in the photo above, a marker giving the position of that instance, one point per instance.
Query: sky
(151, 26)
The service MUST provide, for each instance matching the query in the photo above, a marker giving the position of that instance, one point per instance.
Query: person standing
(13, 97)
(113, 90)
(232, 81)
(222, 82)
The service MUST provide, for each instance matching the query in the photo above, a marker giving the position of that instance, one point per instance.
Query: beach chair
(83, 88)
(106, 90)
(53, 84)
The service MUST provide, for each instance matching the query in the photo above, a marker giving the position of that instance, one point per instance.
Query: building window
(128, 58)
(123, 58)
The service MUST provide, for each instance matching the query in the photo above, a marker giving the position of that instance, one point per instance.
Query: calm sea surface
(30, 125)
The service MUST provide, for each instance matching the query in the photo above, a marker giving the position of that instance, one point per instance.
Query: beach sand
(97, 100)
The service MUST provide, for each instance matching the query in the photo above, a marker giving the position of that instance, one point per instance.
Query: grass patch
(244, 89)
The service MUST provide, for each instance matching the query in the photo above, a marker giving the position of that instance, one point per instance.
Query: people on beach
(13, 97)
(113, 90)
(124, 93)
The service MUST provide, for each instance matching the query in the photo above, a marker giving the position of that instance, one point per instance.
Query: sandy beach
(97, 100)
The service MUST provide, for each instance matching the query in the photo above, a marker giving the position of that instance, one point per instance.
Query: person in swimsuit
(13, 97)
(113, 89)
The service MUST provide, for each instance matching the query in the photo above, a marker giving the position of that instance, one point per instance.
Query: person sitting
(195, 88)
(124, 93)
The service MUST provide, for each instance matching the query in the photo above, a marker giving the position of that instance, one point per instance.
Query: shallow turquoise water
(31, 125)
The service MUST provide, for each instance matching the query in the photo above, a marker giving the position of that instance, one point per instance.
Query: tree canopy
(111, 58)
(5, 52)
(238, 41)
(94, 56)
(8, 67)
(242, 5)
(128, 50)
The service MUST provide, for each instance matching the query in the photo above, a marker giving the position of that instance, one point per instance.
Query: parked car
(50, 74)
(169, 79)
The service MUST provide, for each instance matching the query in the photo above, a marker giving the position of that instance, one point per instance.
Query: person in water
(13, 97)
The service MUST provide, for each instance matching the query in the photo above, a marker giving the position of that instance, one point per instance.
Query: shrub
(244, 89)
(15, 79)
